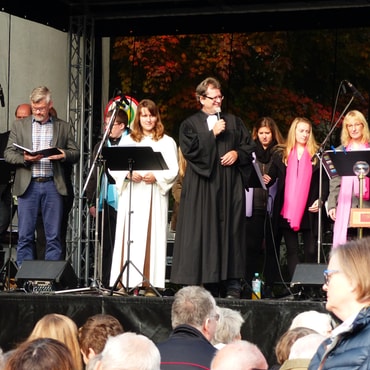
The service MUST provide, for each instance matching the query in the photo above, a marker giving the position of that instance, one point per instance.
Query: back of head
(320, 322)
(192, 306)
(130, 351)
(229, 326)
(285, 342)
(239, 355)
(306, 346)
(96, 330)
(62, 328)
(40, 354)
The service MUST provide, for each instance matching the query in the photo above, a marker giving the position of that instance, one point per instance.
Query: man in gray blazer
(39, 180)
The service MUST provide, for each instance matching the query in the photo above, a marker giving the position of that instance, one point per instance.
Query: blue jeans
(42, 195)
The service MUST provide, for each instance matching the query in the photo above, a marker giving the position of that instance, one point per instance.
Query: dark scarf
(264, 155)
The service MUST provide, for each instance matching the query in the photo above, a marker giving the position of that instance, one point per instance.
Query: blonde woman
(344, 191)
(297, 198)
(62, 328)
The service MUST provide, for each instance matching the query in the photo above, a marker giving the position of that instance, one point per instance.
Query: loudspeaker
(39, 276)
(308, 279)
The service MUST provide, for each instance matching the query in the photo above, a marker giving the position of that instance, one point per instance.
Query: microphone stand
(97, 163)
(319, 154)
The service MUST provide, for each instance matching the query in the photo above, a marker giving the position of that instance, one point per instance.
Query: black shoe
(233, 294)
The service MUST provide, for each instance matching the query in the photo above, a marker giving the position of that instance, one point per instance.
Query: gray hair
(40, 93)
(192, 305)
(130, 351)
(229, 325)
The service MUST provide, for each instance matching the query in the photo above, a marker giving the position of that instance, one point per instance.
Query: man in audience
(23, 110)
(239, 355)
(129, 351)
(194, 322)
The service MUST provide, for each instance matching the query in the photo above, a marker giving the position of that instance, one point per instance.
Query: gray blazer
(21, 133)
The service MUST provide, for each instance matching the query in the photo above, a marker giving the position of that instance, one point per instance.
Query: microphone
(218, 113)
(355, 92)
(2, 97)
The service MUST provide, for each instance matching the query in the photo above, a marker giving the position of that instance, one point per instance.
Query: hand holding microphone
(220, 125)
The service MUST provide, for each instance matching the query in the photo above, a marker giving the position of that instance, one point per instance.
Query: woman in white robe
(149, 191)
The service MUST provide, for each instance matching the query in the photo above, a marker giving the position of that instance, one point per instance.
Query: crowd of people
(205, 335)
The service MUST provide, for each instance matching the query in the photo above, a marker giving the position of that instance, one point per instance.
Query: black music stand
(342, 162)
(128, 158)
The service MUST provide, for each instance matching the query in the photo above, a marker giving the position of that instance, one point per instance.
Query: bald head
(239, 355)
(23, 111)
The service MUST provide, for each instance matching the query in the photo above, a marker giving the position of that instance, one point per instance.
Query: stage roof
(159, 17)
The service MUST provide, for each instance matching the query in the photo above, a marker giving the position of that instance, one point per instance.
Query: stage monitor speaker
(307, 281)
(39, 276)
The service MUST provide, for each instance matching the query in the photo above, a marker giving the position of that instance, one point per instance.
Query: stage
(265, 319)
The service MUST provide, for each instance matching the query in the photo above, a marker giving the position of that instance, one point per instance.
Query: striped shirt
(42, 138)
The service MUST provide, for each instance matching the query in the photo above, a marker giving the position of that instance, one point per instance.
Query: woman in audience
(62, 328)
(347, 286)
(41, 354)
(93, 334)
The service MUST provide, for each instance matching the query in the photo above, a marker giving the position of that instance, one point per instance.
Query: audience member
(228, 327)
(285, 342)
(239, 355)
(194, 321)
(261, 225)
(302, 352)
(344, 190)
(130, 351)
(93, 334)
(210, 238)
(23, 110)
(39, 182)
(147, 194)
(347, 284)
(62, 328)
(296, 167)
(40, 354)
(108, 197)
(321, 322)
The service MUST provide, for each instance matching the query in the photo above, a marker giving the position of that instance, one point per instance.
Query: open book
(45, 152)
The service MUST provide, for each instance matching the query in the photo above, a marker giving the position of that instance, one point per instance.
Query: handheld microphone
(2, 97)
(218, 113)
(355, 92)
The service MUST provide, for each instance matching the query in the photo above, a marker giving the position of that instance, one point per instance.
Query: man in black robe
(210, 243)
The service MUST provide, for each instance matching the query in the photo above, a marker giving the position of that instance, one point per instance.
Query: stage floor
(265, 319)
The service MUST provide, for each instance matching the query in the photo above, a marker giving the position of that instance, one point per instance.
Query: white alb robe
(149, 217)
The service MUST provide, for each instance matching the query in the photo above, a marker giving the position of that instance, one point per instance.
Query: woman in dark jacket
(347, 283)
(297, 197)
(259, 231)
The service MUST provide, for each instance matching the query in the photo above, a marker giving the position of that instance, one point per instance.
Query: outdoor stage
(265, 320)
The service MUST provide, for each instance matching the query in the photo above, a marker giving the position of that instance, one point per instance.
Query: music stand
(126, 158)
(344, 161)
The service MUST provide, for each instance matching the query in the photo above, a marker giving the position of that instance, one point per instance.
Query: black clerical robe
(210, 242)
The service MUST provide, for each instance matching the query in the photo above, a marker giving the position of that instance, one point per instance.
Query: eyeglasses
(214, 97)
(356, 125)
(39, 109)
(328, 274)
